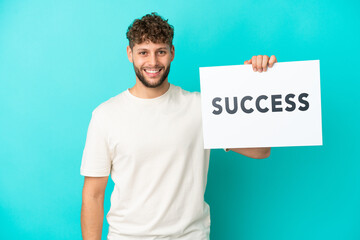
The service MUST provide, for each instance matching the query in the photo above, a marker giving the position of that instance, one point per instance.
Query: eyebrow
(142, 49)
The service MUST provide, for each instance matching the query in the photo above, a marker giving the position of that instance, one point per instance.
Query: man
(150, 139)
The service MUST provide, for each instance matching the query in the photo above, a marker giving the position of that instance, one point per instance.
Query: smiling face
(151, 62)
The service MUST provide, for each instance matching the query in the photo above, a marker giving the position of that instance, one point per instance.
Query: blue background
(61, 59)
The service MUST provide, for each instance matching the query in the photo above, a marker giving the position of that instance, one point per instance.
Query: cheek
(168, 60)
(138, 63)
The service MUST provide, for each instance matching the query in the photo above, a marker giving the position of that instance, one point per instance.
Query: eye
(162, 52)
(142, 53)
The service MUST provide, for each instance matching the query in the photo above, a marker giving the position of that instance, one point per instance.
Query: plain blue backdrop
(61, 59)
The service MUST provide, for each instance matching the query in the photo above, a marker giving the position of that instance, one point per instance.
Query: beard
(148, 84)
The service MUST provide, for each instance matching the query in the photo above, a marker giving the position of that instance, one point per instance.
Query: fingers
(248, 62)
(272, 60)
(261, 62)
(254, 65)
(265, 61)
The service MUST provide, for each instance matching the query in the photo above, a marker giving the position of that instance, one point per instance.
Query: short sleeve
(96, 160)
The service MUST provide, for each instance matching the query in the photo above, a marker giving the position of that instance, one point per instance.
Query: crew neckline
(149, 100)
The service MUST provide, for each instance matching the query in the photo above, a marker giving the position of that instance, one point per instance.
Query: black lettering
(306, 103)
(274, 103)
(290, 102)
(261, 97)
(228, 107)
(219, 107)
(245, 110)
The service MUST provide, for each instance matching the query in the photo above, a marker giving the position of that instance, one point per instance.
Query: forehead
(150, 45)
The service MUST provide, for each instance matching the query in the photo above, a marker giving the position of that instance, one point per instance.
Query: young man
(150, 139)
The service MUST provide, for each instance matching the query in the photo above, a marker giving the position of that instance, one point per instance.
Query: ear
(172, 50)
(129, 53)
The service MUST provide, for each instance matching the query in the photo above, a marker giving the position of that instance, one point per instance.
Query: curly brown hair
(151, 27)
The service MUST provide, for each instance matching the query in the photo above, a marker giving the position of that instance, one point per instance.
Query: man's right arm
(92, 208)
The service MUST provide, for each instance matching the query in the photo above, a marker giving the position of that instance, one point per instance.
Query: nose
(153, 59)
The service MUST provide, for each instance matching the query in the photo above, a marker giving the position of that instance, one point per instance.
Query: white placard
(243, 108)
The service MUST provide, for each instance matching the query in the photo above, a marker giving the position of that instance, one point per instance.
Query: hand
(261, 62)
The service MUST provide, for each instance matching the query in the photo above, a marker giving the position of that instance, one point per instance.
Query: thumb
(248, 61)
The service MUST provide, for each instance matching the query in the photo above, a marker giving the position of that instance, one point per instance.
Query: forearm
(92, 214)
(257, 153)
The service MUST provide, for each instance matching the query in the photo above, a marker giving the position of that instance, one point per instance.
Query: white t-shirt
(154, 150)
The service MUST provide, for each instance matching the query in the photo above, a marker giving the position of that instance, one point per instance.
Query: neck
(140, 91)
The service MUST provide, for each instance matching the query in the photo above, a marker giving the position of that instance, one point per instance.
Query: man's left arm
(258, 153)
(259, 64)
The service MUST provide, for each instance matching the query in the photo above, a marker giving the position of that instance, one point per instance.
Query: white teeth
(152, 71)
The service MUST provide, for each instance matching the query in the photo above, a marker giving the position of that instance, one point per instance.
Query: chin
(154, 84)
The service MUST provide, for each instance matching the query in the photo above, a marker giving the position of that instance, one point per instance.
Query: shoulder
(105, 109)
(186, 100)
(187, 94)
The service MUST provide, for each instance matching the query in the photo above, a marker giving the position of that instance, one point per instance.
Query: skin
(261, 62)
(149, 56)
(92, 207)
